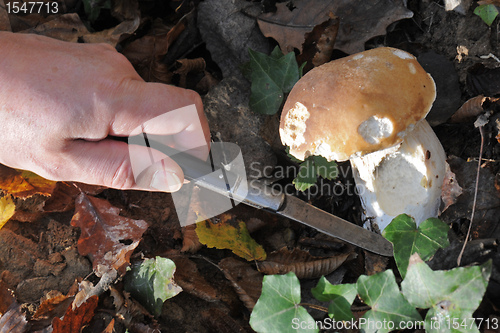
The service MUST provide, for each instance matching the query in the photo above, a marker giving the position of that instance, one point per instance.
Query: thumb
(118, 165)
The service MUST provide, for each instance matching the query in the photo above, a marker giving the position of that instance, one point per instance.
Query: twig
(314, 306)
(481, 130)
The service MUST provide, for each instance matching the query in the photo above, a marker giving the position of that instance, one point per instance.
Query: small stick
(481, 130)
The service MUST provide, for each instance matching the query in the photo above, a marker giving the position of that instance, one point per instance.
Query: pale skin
(60, 102)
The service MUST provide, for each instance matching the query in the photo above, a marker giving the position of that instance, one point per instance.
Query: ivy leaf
(151, 283)
(306, 176)
(487, 13)
(407, 239)
(325, 169)
(7, 209)
(272, 76)
(340, 297)
(230, 234)
(381, 292)
(278, 309)
(452, 296)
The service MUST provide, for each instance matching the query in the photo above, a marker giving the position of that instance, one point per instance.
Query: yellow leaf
(24, 184)
(7, 209)
(230, 234)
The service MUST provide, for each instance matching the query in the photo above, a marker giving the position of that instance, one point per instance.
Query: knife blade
(259, 195)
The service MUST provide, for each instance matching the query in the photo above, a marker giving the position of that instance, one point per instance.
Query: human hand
(60, 102)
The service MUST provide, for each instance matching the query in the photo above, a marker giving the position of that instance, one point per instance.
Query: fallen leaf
(6, 298)
(108, 238)
(24, 184)
(67, 27)
(151, 283)
(14, 320)
(247, 282)
(359, 21)
(75, 320)
(451, 190)
(187, 66)
(304, 265)
(230, 234)
(188, 277)
(127, 309)
(49, 309)
(7, 209)
(113, 35)
(4, 18)
(190, 241)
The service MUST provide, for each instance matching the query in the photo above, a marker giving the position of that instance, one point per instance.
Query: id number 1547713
(32, 7)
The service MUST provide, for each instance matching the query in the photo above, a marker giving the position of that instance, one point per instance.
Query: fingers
(118, 165)
(161, 109)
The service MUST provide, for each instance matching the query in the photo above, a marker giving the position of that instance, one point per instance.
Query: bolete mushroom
(370, 108)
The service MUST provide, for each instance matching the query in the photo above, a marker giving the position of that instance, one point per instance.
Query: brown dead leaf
(247, 282)
(375, 263)
(24, 184)
(187, 66)
(188, 277)
(113, 35)
(75, 320)
(190, 241)
(4, 18)
(147, 52)
(67, 27)
(359, 21)
(49, 309)
(304, 265)
(127, 309)
(14, 320)
(108, 238)
(451, 189)
(6, 298)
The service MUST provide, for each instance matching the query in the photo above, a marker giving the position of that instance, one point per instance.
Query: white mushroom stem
(402, 179)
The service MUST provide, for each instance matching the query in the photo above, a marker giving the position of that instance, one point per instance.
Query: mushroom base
(403, 179)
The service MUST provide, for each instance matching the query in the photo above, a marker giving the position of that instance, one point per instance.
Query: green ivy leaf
(340, 297)
(407, 239)
(306, 176)
(487, 13)
(278, 309)
(452, 296)
(325, 169)
(151, 283)
(272, 76)
(381, 292)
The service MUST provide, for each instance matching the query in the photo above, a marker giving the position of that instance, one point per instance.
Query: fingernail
(165, 181)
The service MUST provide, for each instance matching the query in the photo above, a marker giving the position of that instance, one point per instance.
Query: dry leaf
(108, 238)
(451, 189)
(24, 184)
(113, 35)
(66, 27)
(190, 241)
(49, 309)
(302, 263)
(188, 277)
(229, 233)
(246, 281)
(75, 320)
(6, 298)
(359, 21)
(14, 320)
(4, 18)
(127, 309)
(7, 209)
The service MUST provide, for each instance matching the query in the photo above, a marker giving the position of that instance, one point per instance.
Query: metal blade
(334, 226)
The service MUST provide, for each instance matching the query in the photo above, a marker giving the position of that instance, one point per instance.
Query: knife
(257, 194)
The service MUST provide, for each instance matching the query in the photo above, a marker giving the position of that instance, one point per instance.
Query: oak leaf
(359, 21)
(108, 238)
(76, 319)
(230, 234)
(303, 264)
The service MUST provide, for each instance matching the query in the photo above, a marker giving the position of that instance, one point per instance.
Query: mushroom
(369, 108)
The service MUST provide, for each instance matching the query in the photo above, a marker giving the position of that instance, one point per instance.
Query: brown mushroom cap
(356, 105)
